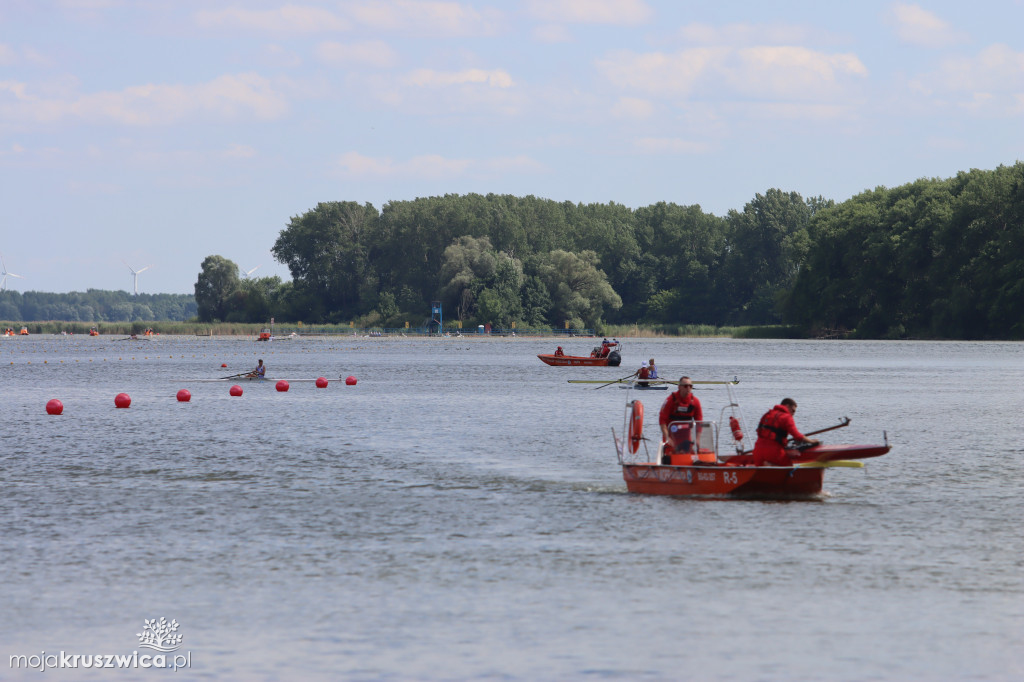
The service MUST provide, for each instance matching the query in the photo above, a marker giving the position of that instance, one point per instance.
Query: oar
(650, 381)
(235, 375)
(615, 382)
(844, 422)
(834, 463)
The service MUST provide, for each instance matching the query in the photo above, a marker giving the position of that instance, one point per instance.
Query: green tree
(328, 252)
(767, 242)
(468, 264)
(536, 302)
(217, 283)
(674, 279)
(386, 305)
(579, 291)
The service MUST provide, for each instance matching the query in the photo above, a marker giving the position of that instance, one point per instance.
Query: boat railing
(692, 438)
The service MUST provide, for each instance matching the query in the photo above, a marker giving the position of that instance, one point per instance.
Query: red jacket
(677, 409)
(775, 427)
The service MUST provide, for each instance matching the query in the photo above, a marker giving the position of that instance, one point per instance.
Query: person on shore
(775, 427)
(680, 405)
(260, 370)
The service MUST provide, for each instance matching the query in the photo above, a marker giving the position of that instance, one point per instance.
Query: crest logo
(159, 635)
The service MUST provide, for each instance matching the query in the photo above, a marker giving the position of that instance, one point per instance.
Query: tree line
(525, 262)
(936, 258)
(95, 305)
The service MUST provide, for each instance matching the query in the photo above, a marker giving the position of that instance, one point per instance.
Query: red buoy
(235, 390)
(122, 400)
(282, 385)
(184, 395)
(734, 424)
(223, 364)
(321, 382)
(54, 407)
(350, 381)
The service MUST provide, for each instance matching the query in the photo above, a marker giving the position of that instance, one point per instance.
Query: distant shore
(235, 329)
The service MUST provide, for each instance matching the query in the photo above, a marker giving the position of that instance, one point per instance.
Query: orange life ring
(636, 425)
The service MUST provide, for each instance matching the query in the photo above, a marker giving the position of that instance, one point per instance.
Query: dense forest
(95, 305)
(524, 262)
(936, 258)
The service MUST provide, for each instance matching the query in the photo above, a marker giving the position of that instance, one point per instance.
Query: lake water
(460, 514)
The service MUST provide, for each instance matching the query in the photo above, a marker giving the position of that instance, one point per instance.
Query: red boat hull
(577, 361)
(723, 481)
(819, 453)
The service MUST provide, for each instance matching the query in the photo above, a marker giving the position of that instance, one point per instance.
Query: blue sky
(160, 132)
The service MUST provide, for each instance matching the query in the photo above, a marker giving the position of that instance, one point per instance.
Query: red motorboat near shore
(704, 472)
(605, 355)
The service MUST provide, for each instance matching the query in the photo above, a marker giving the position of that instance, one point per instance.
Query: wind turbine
(246, 273)
(3, 271)
(135, 275)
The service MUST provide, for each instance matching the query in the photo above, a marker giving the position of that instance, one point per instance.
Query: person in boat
(559, 352)
(642, 375)
(680, 405)
(652, 370)
(775, 427)
(260, 371)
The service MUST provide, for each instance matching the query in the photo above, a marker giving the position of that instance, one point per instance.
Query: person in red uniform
(775, 427)
(680, 405)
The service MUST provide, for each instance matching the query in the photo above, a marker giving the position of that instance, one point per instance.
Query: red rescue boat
(605, 355)
(703, 472)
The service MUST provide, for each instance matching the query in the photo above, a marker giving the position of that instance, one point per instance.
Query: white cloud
(766, 71)
(996, 68)
(375, 53)
(748, 34)
(790, 71)
(617, 12)
(659, 73)
(287, 19)
(990, 82)
(495, 78)
(918, 26)
(426, 18)
(432, 166)
(227, 97)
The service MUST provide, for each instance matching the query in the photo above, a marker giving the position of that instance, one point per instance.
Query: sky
(154, 133)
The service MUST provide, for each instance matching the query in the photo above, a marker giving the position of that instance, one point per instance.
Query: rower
(260, 371)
